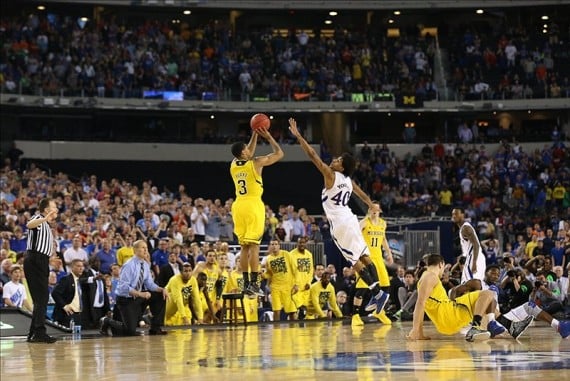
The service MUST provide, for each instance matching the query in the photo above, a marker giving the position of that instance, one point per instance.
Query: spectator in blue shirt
(160, 255)
(107, 256)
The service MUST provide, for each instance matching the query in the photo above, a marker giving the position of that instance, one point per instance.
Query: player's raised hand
(293, 127)
(264, 133)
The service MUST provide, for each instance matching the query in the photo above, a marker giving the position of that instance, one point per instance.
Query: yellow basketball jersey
(374, 235)
(235, 282)
(248, 183)
(448, 316)
(303, 268)
(213, 276)
(281, 271)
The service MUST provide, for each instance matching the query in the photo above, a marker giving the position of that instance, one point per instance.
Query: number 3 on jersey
(341, 198)
(242, 189)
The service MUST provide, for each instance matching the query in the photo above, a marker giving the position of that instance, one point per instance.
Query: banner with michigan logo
(409, 101)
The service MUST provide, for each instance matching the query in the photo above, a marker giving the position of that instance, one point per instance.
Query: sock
(491, 316)
(356, 306)
(554, 324)
(245, 280)
(254, 277)
(477, 320)
(504, 321)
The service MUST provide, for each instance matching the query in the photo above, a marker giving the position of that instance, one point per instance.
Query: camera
(538, 283)
(511, 273)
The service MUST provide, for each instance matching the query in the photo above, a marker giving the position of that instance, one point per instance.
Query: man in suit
(167, 271)
(396, 282)
(67, 295)
(336, 280)
(95, 299)
(319, 270)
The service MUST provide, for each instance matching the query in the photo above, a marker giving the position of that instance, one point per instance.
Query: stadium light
(544, 17)
(41, 8)
(333, 13)
(397, 13)
(390, 21)
(328, 22)
(187, 12)
(479, 11)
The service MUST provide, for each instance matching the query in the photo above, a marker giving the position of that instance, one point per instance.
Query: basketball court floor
(323, 350)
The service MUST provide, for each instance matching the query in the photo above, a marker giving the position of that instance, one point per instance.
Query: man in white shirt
(562, 282)
(288, 226)
(481, 87)
(511, 53)
(14, 292)
(199, 219)
(75, 252)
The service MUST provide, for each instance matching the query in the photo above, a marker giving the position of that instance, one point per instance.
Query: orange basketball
(259, 121)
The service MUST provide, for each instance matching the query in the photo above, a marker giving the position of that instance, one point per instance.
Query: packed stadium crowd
(116, 59)
(509, 62)
(51, 55)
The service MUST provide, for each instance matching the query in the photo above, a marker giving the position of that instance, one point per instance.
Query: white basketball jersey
(344, 226)
(466, 246)
(467, 251)
(335, 200)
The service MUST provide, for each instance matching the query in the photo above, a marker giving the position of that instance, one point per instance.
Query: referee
(36, 265)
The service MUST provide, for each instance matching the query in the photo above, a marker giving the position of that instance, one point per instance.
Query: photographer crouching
(547, 294)
(516, 290)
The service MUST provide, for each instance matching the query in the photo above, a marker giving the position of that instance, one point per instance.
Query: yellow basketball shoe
(383, 318)
(357, 321)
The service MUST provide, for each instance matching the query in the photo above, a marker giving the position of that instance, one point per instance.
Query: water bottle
(72, 325)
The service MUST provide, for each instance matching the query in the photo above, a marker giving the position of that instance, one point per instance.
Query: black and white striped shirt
(40, 239)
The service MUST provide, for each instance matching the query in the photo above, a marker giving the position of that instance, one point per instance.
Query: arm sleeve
(314, 295)
(294, 269)
(196, 302)
(311, 268)
(148, 281)
(332, 302)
